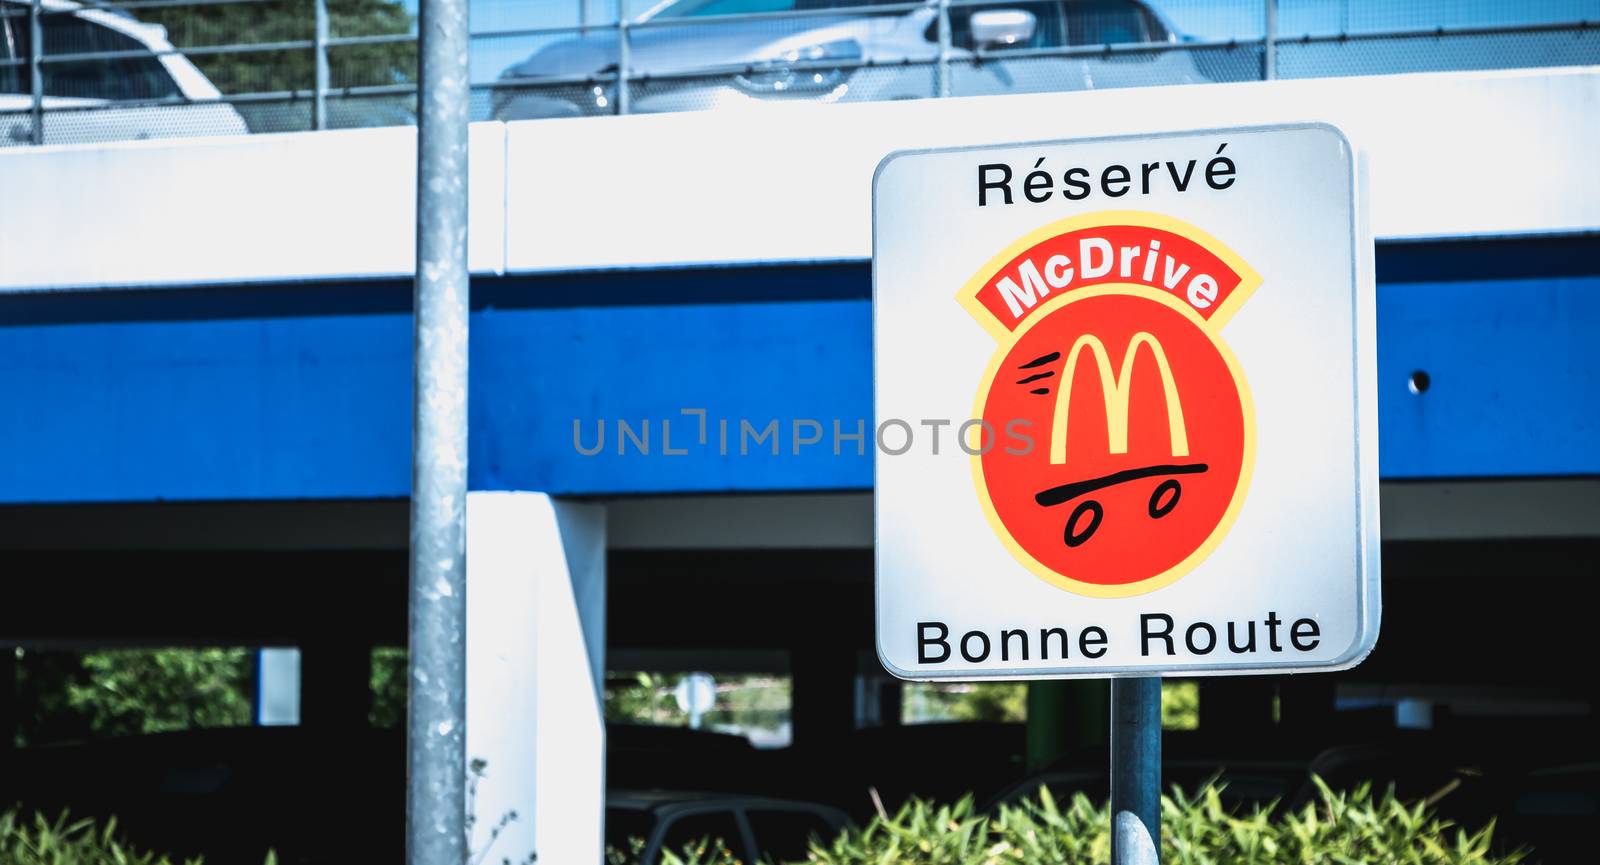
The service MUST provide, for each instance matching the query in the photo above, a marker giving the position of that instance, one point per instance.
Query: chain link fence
(81, 71)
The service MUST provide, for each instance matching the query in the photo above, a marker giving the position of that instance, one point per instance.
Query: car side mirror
(998, 28)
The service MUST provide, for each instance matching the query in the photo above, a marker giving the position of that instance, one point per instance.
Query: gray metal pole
(1269, 57)
(319, 50)
(624, 58)
(36, 72)
(943, 71)
(1136, 771)
(436, 729)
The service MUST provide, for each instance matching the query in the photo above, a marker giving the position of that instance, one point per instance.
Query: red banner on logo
(1108, 254)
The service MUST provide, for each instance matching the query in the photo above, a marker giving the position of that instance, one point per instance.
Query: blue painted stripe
(242, 408)
(1513, 378)
(536, 371)
(304, 391)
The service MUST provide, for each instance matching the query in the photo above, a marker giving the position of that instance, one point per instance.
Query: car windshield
(704, 8)
(131, 73)
(1111, 22)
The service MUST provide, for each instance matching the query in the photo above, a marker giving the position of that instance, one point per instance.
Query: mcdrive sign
(1154, 356)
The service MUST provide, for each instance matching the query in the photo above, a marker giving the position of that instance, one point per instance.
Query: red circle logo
(1118, 428)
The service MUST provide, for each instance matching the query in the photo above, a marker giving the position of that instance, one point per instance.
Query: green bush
(41, 841)
(135, 691)
(1339, 829)
(706, 851)
(126, 692)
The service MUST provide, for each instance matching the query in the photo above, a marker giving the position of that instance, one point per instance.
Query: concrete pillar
(278, 687)
(535, 676)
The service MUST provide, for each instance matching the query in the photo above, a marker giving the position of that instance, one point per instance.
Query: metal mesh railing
(80, 71)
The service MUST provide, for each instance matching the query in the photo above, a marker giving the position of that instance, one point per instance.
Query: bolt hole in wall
(1419, 382)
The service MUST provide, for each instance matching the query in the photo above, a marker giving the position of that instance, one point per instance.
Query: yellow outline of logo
(1249, 281)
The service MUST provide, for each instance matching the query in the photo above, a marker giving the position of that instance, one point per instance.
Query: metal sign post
(436, 800)
(1136, 771)
(1126, 418)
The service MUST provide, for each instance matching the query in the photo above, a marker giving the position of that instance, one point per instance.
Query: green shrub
(1339, 829)
(72, 695)
(133, 691)
(41, 841)
(706, 851)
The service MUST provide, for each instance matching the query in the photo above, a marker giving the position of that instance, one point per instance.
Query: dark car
(754, 828)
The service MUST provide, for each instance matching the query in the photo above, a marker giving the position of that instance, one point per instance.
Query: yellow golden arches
(1116, 390)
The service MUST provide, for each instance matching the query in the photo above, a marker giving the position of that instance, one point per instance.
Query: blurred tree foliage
(158, 690)
(1008, 701)
(267, 21)
(975, 701)
(73, 696)
(121, 692)
(1180, 705)
(643, 698)
(993, 701)
(388, 708)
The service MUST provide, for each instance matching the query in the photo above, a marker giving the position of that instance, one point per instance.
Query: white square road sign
(1126, 420)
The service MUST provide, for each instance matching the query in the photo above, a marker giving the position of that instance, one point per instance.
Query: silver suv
(685, 55)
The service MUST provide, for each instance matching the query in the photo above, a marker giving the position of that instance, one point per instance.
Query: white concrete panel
(535, 667)
(1452, 154)
(242, 209)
